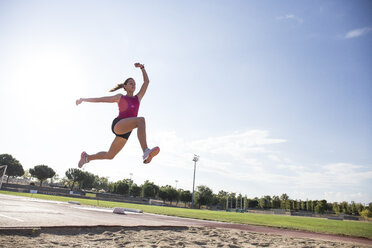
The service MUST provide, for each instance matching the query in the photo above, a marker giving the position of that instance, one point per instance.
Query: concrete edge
(37, 230)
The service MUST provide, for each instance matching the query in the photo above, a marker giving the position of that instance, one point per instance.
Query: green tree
(252, 203)
(172, 193)
(222, 197)
(344, 207)
(336, 208)
(149, 189)
(354, 210)
(320, 207)
(284, 202)
(135, 190)
(302, 205)
(14, 167)
(74, 175)
(122, 187)
(87, 181)
(186, 196)
(275, 202)
(366, 213)
(101, 183)
(163, 194)
(264, 202)
(245, 202)
(309, 205)
(204, 195)
(42, 172)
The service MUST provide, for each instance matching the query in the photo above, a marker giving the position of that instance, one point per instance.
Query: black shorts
(125, 135)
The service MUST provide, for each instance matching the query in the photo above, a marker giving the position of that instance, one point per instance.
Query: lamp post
(196, 158)
(176, 184)
(130, 185)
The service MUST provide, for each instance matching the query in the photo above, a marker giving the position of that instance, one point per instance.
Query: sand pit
(156, 237)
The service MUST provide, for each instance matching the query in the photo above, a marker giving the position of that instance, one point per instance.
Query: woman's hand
(139, 65)
(79, 101)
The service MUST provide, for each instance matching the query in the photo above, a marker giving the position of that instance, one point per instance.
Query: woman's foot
(149, 154)
(83, 159)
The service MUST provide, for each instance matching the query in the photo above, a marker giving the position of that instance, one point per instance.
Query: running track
(23, 212)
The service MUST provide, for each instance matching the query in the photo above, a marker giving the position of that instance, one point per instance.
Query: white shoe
(149, 154)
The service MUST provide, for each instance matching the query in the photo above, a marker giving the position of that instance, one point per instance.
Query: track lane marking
(12, 218)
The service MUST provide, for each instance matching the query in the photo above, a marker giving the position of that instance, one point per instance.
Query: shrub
(366, 214)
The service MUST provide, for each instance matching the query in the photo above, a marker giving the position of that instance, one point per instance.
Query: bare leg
(128, 124)
(115, 148)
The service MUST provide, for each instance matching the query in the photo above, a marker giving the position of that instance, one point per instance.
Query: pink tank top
(128, 106)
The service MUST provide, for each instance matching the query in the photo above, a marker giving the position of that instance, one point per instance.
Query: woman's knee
(141, 121)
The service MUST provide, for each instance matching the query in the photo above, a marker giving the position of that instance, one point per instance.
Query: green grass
(348, 228)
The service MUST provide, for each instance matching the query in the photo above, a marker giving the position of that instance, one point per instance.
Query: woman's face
(130, 86)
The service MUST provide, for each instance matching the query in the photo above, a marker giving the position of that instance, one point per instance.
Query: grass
(348, 228)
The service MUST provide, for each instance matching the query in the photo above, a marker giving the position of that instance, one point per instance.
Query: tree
(14, 167)
(204, 195)
(186, 196)
(74, 175)
(55, 178)
(101, 183)
(275, 202)
(222, 198)
(163, 194)
(320, 207)
(245, 202)
(149, 189)
(135, 190)
(122, 187)
(172, 193)
(366, 213)
(252, 203)
(42, 172)
(344, 207)
(284, 202)
(354, 210)
(309, 205)
(265, 202)
(336, 208)
(87, 181)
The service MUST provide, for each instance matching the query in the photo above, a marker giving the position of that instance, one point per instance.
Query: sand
(156, 237)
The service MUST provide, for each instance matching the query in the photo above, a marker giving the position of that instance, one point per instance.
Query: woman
(126, 121)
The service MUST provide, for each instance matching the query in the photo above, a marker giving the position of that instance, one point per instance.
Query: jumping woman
(126, 121)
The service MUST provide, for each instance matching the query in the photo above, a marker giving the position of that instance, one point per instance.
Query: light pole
(196, 158)
(176, 184)
(130, 185)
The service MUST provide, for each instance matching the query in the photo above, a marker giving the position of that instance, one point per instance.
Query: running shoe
(83, 159)
(149, 154)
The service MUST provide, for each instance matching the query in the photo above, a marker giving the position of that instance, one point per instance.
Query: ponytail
(119, 86)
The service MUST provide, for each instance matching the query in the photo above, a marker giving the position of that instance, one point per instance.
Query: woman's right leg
(115, 148)
(128, 124)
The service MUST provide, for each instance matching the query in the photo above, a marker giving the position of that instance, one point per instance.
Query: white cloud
(291, 17)
(357, 32)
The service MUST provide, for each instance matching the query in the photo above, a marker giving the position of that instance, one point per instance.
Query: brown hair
(119, 86)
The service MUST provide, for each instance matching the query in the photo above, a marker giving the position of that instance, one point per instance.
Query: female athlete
(126, 121)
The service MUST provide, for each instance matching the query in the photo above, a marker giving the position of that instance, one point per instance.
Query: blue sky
(274, 97)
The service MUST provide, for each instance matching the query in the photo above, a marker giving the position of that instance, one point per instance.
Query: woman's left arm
(146, 81)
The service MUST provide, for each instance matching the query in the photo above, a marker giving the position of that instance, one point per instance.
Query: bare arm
(146, 81)
(115, 98)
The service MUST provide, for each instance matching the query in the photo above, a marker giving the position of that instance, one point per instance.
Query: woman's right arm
(115, 98)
